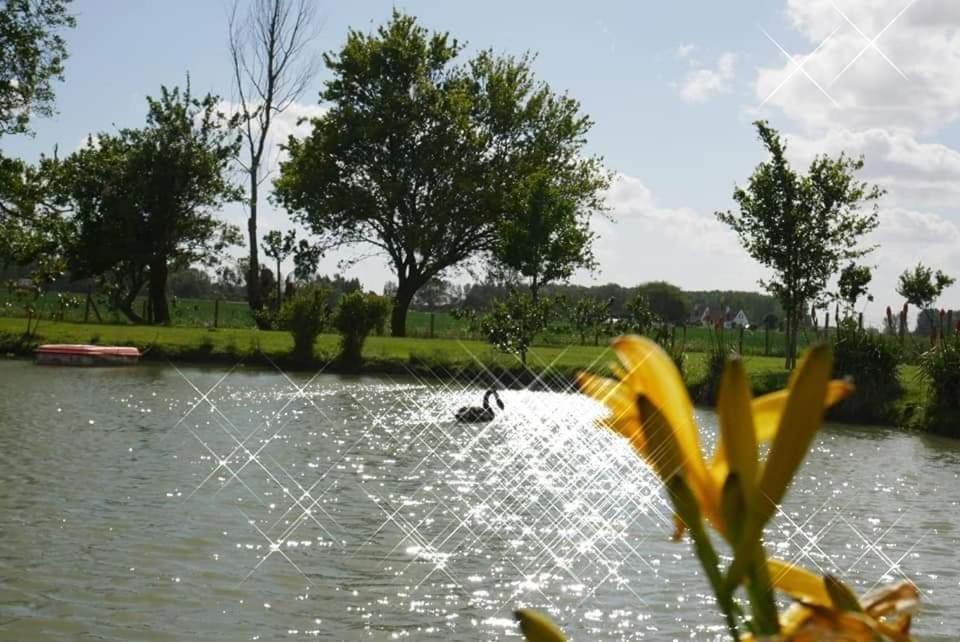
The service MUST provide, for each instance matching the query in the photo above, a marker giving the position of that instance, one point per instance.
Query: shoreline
(553, 368)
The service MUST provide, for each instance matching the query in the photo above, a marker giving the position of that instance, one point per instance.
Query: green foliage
(801, 227)
(590, 315)
(279, 246)
(305, 315)
(32, 55)
(638, 318)
(512, 323)
(667, 301)
(921, 287)
(435, 293)
(941, 367)
(871, 360)
(144, 199)
(548, 236)
(716, 360)
(852, 285)
(33, 231)
(356, 316)
(424, 156)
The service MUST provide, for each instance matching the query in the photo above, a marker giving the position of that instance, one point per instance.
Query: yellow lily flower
(828, 610)
(670, 442)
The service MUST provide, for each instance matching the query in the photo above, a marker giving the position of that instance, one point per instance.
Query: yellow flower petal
(650, 371)
(737, 442)
(768, 409)
(800, 420)
(612, 393)
(798, 582)
(802, 417)
(537, 627)
(660, 446)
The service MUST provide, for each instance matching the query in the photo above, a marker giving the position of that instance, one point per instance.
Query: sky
(672, 87)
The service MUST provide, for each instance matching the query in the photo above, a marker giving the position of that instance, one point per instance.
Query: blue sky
(672, 87)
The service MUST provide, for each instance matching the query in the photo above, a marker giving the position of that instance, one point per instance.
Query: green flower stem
(688, 511)
(760, 591)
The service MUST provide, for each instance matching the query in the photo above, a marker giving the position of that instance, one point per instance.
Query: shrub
(941, 366)
(716, 362)
(357, 315)
(717, 357)
(512, 323)
(304, 315)
(872, 363)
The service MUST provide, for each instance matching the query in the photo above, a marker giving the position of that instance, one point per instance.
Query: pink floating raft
(86, 355)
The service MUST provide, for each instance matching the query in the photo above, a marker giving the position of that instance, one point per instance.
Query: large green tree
(144, 199)
(32, 54)
(422, 155)
(802, 226)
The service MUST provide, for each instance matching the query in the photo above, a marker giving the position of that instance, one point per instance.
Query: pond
(173, 503)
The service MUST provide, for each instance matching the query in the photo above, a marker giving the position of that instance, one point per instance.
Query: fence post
(216, 313)
(96, 310)
(860, 321)
(740, 346)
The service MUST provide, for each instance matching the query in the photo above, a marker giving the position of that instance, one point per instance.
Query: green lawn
(197, 344)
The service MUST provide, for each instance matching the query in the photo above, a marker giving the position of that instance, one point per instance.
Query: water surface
(156, 503)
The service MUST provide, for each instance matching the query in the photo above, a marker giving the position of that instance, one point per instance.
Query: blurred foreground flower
(736, 493)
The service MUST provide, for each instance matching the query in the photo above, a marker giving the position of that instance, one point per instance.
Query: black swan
(475, 415)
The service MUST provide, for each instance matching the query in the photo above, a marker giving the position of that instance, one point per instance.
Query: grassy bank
(552, 366)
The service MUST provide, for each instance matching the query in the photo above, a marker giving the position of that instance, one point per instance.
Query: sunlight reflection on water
(357, 509)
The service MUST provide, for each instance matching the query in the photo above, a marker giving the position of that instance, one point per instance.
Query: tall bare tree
(271, 67)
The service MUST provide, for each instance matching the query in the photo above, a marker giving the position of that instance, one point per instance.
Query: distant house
(711, 318)
(740, 320)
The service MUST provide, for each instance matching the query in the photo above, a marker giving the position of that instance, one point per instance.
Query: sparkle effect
(799, 62)
(463, 523)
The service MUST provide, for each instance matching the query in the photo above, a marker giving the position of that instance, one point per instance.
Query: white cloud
(915, 174)
(703, 83)
(904, 79)
(646, 241)
(886, 101)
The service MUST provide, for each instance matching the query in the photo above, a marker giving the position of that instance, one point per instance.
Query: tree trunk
(253, 276)
(126, 306)
(794, 339)
(401, 304)
(279, 292)
(787, 342)
(157, 292)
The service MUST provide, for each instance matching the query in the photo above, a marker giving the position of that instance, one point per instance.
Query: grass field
(205, 313)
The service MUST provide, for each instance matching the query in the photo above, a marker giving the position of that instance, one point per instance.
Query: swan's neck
(486, 398)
